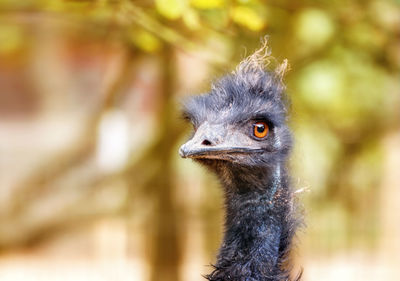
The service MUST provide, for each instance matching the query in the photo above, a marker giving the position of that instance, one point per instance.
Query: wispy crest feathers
(257, 61)
(251, 70)
(281, 69)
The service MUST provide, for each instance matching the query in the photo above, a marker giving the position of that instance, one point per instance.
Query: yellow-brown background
(91, 185)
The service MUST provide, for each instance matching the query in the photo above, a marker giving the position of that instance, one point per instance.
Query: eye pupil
(260, 129)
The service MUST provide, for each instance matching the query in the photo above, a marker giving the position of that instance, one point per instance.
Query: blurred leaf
(385, 13)
(207, 4)
(365, 35)
(171, 9)
(247, 17)
(314, 27)
(191, 19)
(217, 18)
(321, 84)
(145, 41)
(11, 38)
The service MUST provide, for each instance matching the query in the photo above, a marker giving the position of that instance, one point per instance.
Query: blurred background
(91, 184)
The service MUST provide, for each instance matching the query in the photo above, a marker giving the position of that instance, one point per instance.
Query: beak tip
(182, 152)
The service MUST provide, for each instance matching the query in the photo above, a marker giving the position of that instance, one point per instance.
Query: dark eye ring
(260, 129)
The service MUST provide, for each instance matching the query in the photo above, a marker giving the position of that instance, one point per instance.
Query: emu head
(241, 122)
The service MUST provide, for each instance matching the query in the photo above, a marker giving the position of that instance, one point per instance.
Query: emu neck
(257, 228)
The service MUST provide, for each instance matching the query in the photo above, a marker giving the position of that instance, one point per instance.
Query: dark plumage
(260, 215)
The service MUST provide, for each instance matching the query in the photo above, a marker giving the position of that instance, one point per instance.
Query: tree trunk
(166, 253)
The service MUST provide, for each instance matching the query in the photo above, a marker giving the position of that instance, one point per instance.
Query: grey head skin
(240, 133)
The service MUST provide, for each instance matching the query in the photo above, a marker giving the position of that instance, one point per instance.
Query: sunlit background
(91, 184)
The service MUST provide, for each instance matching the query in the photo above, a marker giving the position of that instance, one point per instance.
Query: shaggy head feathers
(248, 90)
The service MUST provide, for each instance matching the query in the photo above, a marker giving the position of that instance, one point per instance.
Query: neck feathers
(259, 228)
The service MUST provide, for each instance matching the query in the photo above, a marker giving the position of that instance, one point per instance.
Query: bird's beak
(215, 142)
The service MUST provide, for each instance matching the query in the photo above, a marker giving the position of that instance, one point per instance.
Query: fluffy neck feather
(259, 225)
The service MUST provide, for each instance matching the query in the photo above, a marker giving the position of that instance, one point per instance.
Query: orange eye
(260, 129)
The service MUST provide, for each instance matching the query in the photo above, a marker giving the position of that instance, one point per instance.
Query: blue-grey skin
(260, 217)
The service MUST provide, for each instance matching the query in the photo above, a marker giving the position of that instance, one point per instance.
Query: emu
(241, 134)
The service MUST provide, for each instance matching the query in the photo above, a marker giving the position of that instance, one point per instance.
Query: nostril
(206, 142)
